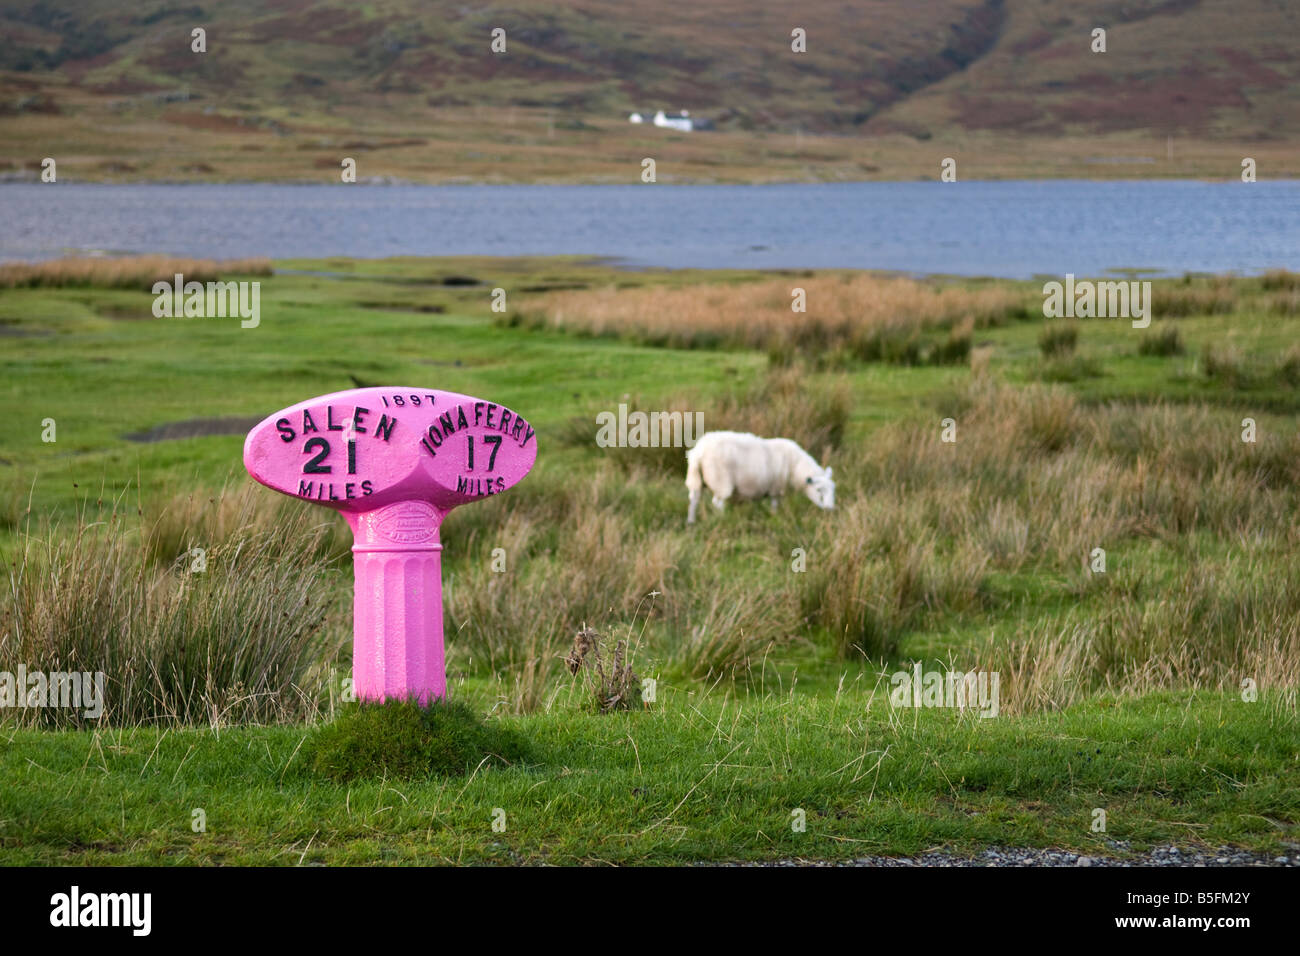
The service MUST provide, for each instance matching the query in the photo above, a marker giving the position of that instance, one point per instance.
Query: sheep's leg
(774, 501)
(721, 485)
(694, 484)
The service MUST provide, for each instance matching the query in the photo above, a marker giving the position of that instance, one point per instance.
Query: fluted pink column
(397, 648)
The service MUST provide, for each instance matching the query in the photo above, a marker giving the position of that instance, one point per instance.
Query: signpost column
(394, 461)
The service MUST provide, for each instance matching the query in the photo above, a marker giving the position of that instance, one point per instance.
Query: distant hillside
(104, 75)
(1219, 68)
(731, 58)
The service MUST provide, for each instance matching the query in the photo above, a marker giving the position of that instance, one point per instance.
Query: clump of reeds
(238, 627)
(872, 318)
(131, 272)
(1164, 341)
(1223, 625)
(1213, 295)
(1058, 340)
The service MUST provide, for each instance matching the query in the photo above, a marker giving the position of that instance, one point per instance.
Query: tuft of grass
(240, 631)
(611, 682)
(1215, 295)
(1285, 303)
(1164, 341)
(1282, 279)
(1288, 368)
(1057, 340)
(1072, 368)
(732, 629)
(955, 349)
(1224, 363)
(402, 739)
(880, 573)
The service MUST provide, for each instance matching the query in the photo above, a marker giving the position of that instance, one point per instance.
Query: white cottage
(679, 121)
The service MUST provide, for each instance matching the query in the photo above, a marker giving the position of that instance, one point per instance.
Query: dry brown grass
(133, 272)
(607, 672)
(870, 317)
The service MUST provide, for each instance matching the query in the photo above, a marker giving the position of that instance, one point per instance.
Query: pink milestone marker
(394, 461)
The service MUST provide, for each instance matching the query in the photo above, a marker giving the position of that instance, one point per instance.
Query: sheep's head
(820, 489)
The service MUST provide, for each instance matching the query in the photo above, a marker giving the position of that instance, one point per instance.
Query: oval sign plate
(361, 449)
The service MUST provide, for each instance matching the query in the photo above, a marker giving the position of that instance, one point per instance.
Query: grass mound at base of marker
(404, 739)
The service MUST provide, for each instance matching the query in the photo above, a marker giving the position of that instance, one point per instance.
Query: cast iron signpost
(394, 461)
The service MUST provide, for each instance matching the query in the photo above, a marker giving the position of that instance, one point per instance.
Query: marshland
(1104, 516)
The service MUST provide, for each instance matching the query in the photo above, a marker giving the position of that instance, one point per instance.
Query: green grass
(700, 777)
(402, 739)
(102, 377)
(714, 769)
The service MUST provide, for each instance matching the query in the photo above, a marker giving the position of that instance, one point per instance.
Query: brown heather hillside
(411, 89)
(728, 58)
(1222, 68)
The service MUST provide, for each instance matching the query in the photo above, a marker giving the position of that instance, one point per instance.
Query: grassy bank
(704, 776)
(496, 145)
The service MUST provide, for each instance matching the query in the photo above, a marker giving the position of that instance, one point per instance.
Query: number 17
(495, 442)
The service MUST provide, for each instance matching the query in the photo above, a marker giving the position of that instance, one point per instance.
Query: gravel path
(1017, 856)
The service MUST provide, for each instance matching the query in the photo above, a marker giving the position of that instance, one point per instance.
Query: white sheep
(751, 467)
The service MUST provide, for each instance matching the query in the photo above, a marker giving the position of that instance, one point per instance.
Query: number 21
(322, 449)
